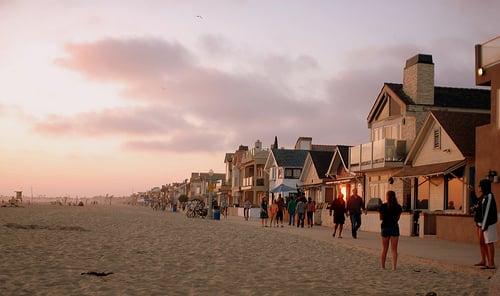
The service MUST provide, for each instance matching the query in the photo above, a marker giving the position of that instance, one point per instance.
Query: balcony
(248, 181)
(489, 53)
(379, 154)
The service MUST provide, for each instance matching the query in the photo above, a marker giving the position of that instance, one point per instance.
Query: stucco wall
(458, 228)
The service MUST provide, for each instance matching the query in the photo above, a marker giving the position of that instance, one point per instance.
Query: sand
(44, 250)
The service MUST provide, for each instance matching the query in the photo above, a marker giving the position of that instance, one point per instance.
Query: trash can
(174, 208)
(216, 214)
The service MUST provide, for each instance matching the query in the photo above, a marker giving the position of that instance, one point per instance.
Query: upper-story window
(387, 132)
(437, 138)
(296, 173)
(273, 173)
(288, 173)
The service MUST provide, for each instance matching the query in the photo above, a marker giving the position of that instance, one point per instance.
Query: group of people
(354, 207)
(298, 208)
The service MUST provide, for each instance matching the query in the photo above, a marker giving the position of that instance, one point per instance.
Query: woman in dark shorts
(390, 212)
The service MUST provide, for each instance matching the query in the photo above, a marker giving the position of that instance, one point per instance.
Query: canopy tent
(282, 188)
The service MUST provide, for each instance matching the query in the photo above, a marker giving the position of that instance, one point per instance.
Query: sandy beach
(44, 249)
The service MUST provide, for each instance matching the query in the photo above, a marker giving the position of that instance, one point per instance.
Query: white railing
(248, 181)
(377, 154)
(490, 53)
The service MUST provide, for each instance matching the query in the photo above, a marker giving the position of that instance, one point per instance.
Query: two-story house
(202, 184)
(396, 118)
(254, 182)
(284, 167)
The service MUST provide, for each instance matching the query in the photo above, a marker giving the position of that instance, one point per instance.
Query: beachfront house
(237, 176)
(203, 184)
(394, 120)
(253, 180)
(314, 177)
(440, 166)
(284, 167)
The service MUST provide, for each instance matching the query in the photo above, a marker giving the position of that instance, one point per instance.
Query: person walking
(390, 211)
(223, 207)
(489, 219)
(292, 204)
(273, 210)
(301, 211)
(246, 209)
(339, 211)
(264, 212)
(281, 207)
(355, 206)
(311, 208)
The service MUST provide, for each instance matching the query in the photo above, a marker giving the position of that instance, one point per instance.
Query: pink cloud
(240, 106)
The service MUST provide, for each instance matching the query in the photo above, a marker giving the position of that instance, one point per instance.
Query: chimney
(418, 79)
(258, 145)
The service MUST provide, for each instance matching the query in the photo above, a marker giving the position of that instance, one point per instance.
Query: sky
(114, 97)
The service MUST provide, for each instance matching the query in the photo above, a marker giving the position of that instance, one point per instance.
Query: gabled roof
(341, 153)
(451, 97)
(321, 161)
(320, 147)
(290, 157)
(461, 127)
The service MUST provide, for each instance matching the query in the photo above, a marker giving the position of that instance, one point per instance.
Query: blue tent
(282, 188)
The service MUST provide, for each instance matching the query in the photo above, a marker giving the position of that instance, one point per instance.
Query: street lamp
(209, 199)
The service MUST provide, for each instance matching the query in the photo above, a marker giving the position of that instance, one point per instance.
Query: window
(437, 138)
(288, 173)
(296, 173)
(273, 173)
(424, 189)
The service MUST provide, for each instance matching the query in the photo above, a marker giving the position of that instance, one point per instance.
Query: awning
(430, 169)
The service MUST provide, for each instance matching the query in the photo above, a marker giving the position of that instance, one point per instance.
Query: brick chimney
(418, 79)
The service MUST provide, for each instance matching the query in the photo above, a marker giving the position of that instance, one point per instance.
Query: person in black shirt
(489, 219)
(390, 212)
(339, 211)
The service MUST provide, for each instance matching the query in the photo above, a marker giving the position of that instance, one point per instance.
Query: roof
(451, 97)
(344, 152)
(289, 157)
(317, 147)
(430, 169)
(461, 127)
(321, 160)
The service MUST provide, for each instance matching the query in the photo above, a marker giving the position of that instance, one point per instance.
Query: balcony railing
(248, 181)
(490, 53)
(377, 154)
